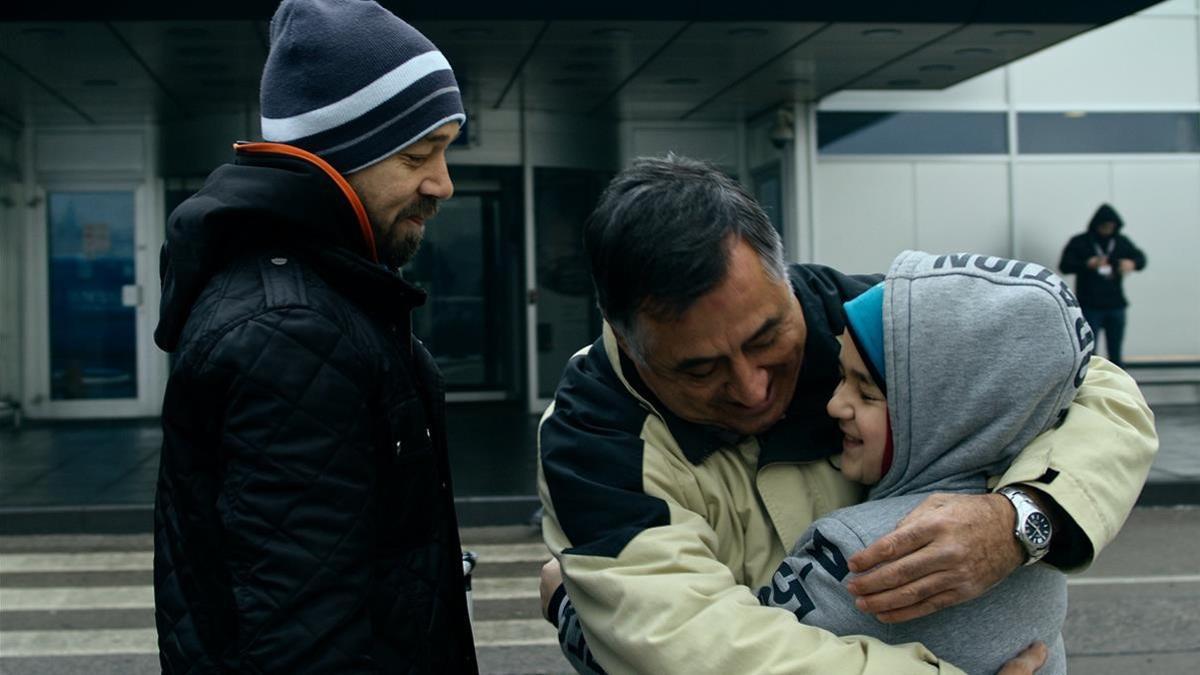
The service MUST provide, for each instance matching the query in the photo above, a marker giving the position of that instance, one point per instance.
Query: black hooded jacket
(1096, 290)
(304, 520)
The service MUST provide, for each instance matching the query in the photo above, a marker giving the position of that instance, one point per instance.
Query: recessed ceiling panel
(484, 54)
(707, 60)
(201, 64)
(836, 55)
(582, 65)
(680, 61)
(965, 53)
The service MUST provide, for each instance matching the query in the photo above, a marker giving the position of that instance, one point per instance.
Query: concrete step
(71, 604)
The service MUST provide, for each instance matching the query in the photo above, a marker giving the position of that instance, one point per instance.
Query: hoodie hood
(1105, 214)
(982, 355)
(271, 196)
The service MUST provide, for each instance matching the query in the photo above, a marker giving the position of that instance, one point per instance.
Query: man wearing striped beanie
(304, 519)
(367, 93)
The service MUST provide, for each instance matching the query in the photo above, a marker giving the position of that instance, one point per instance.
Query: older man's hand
(950, 549)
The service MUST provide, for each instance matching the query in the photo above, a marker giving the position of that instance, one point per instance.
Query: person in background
(1101, 258)
(304, 519)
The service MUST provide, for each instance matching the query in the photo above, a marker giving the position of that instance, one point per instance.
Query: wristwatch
(1033, 527)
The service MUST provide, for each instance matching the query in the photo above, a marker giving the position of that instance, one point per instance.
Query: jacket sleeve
(642, 571)
(1075, 256)
(1130, 251)
(1093, 465)
(570, 635)
(296, 487)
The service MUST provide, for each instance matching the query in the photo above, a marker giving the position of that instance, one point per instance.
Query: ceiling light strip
(521, 64)
(754, 71)
(858, 78)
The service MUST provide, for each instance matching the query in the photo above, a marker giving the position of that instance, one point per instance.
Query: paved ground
(82, 605)
(99, 475)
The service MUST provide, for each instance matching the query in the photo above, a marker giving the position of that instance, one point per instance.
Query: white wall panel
(90, 150)
(962, 206)
(864, 214)
(1160, 204)
(495, 140)
(715, 143)
(1054, 201)
(1133, 63)
(1172, 7)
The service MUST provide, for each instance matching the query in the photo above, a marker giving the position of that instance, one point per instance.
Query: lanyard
(1112, 243)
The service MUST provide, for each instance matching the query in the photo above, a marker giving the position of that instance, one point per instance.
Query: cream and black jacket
(663, 526)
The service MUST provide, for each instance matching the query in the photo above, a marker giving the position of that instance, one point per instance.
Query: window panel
(1079, 132)
(912, 133)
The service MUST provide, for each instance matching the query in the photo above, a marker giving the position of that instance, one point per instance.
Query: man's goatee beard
(401, 252)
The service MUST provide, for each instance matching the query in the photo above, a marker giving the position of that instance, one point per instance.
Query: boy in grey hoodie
(950, 366)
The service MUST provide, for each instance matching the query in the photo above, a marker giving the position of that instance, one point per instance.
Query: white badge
(1105, 270)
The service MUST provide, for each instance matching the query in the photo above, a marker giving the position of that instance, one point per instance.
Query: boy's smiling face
(861, 411)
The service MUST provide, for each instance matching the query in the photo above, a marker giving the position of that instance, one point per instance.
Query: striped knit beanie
(350, 82)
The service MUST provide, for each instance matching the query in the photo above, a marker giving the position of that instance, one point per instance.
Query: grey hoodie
(982, 354)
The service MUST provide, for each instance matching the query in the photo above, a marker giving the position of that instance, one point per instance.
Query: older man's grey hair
(662, 235)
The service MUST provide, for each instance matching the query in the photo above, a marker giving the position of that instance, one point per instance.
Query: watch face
(1037, 529)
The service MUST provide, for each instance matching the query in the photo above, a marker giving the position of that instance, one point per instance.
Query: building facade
(1010, 162)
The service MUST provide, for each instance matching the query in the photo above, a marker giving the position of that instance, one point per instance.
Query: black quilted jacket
(304, 521)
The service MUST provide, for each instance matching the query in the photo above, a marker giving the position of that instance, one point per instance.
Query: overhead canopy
(63, 62)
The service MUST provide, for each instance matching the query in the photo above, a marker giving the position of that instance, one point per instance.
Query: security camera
(782, 131)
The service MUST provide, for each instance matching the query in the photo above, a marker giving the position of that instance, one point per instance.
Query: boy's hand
(551, 579)
(950, 549)
(1027, 662)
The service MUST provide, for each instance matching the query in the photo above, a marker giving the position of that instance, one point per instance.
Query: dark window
(768, 191)
(912, 133)
(1043, 133)
(567, 318)
(469, 263)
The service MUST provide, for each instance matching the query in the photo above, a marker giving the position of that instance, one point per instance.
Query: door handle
(131, 295)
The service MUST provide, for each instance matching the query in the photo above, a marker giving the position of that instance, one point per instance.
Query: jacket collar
(283, 150)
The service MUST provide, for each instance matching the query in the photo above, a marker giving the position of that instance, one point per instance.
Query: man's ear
(621, 341)
(623, 344)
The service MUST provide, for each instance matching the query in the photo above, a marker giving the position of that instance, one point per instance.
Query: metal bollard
(469, 559)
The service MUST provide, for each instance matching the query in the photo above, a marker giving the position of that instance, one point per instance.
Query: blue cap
(864, 318)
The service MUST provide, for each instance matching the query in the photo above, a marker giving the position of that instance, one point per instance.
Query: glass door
(91, 328)
(93, 296)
